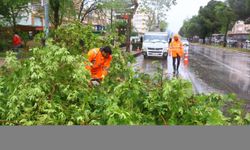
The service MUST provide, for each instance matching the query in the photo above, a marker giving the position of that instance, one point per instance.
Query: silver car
(185, 45)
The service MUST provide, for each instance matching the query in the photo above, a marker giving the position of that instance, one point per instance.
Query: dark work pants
(178, 58)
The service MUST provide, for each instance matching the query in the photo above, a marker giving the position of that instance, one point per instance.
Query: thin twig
(164, 120)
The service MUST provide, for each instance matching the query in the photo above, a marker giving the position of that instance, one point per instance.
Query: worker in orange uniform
(176, 51)
(100, 59)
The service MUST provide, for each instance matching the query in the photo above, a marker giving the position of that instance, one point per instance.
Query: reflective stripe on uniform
(96, 52)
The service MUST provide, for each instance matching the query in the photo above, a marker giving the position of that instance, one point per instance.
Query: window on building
(38, 21)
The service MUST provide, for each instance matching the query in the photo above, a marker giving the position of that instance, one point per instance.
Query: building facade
(241, 27)
(240, 31)
(140, 22)
(34, 17)
(98, 20)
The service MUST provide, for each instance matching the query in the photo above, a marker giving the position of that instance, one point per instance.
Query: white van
(155, 44)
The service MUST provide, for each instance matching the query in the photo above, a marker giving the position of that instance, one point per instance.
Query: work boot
(174, 71)
(177, 72)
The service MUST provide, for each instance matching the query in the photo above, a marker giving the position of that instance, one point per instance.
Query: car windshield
(162, 38)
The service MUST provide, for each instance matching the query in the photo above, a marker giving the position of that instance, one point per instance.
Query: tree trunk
(13, 19)
(225, 35)
(129, 27)
(111, 19)
(204, 40)
(128, 33)
(56, 17)
(80, 11)
(84, 16)
(55, 8)
(14, 24)
(56, 14)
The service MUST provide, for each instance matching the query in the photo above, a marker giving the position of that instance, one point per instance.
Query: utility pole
(111, 19)
(45, 4)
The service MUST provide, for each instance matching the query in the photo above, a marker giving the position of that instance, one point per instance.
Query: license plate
(154, 54)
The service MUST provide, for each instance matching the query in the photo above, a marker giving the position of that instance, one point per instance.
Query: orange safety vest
(100, 64)
(176, 48)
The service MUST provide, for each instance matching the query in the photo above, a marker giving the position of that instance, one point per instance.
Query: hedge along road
(209, 70)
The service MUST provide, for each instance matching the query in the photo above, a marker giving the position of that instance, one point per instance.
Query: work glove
(103, 77)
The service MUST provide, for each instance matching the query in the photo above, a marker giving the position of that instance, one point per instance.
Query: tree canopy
(215, 17)
(12, 11)
(156, 11)
(241, 8)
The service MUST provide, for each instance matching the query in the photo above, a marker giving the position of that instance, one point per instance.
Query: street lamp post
(45, 4)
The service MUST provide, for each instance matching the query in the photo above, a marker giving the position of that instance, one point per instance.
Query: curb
(221, 48)
(137, 54)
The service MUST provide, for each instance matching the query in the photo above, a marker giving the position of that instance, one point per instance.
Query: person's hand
(103, 76)
(90, 84)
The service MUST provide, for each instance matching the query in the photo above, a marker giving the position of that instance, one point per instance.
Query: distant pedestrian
(17, 42)
(176, 50)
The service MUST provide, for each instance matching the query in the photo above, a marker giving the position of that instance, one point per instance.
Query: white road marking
(225, 65)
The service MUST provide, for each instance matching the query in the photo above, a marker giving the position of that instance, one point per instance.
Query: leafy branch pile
(51, 88)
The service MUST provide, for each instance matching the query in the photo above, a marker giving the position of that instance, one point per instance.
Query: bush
(77, 33)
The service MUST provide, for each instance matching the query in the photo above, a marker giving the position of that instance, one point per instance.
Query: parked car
(185, 43)
(232, 43)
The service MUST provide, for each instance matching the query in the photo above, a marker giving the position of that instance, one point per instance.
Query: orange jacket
(175, 48)
(100, 64)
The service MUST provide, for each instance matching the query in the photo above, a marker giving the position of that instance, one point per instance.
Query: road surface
(209, 70)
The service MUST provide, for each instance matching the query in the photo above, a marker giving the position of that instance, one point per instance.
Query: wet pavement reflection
(210, 70)
(227, 71)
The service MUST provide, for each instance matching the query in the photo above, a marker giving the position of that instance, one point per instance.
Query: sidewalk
(136, 53)
(241, 50)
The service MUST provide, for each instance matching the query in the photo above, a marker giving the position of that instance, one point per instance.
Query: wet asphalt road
(210, 70)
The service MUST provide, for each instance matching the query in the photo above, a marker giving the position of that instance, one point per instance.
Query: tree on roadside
(132, 11)
(85, 7)
(190, 27)
(156, 11)
(60, 9)
(208, 20)
(12, 11)
(151, 20)
(115, 6)
(215, 17)
(241, 8)
(226, 16)
(163, 26)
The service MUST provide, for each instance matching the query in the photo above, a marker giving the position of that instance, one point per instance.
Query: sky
(183, 10)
